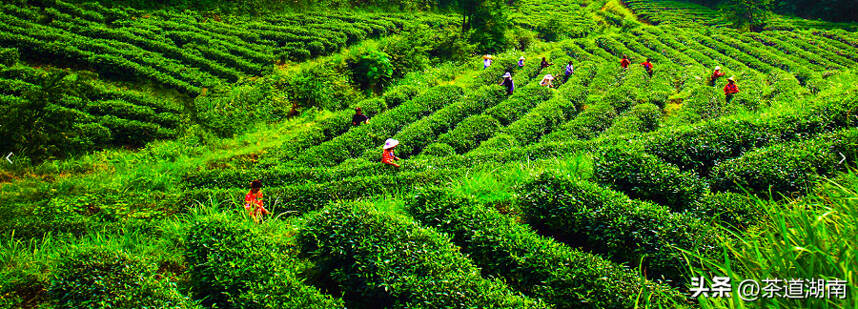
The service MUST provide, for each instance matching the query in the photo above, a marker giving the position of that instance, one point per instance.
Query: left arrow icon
(7, 158)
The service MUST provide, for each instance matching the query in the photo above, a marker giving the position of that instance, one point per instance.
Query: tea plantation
(131, 136)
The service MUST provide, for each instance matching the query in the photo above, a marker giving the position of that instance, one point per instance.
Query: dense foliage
(609, 189)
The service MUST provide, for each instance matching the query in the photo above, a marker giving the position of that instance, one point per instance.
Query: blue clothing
(521, 63)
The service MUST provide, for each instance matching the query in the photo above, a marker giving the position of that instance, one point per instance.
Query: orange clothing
(625, 63)
(388, 157)
(717, 74)
(253, 203)
(647, 65)
(731, 88)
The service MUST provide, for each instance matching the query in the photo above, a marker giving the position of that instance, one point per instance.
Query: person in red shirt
(648, 66)
(387, 156)
(730, 89)
(625, 62)
(253, 201)
(715, 76)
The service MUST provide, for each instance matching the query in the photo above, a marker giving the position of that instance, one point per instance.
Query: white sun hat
(522, 58)
(718, 68)
(507, 75)
(549, 77)
(733, 78)
(390, 143)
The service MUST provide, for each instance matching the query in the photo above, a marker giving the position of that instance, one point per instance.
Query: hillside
(136, 135)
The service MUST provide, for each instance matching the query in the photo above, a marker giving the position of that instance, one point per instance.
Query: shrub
(501, 141)
(355, 142)
(422, 132)
(589, 123)
(470, 132)
(643, 176)
(400, 94)
(732, 210)
(230, 265)
(786, 168)
(101, 278)
(519, 103)
(439, 150)
(382, 260)
(603, 221)
(536, 265)
(371, 69)
(231, 109)
(8, 56)
(641, 118)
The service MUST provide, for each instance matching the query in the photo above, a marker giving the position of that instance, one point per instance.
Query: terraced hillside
(610, 189)
(681, 13)
(181, 51)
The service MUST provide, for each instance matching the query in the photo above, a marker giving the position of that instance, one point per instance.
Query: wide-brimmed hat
(732, 78)
(548, 76)
(390, 143)
(505, 75)
(487, 56)
(718, 68)
(521, 58)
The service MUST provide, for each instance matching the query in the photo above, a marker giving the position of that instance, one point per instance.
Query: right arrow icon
(7, 158)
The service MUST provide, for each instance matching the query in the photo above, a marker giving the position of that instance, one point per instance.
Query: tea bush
(234, 266)
(642, 176)
(536, 265)
(381, 259)
(603, 221)
(98, 278)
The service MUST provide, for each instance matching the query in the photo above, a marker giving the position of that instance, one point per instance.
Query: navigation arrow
(7, 158)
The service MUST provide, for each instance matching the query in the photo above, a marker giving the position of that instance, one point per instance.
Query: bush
(401, 94)
(231, 109)
(643, 176)
(417, 135)
(536, 265)
(596, 219)
(355, 142)
(641, 118)
(99, 278)
(732, 210)
(439, 150)
(320, 85)
(382, 260)
(470, 132)
(9, 56)
(500, 141)
(234, 266)
(371, 69)
(787, 168)
(519, 103)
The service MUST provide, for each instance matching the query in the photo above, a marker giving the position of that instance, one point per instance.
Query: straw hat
(390, 143)
(549, 77)
(487, 56)
(732, 78)
(507, 75)
(522, 58)
(717, 68)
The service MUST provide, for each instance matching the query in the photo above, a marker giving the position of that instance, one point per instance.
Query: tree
(751, 14)
(487, 20)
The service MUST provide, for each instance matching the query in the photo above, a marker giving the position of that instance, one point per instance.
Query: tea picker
(387, 156)
(730, 89)
(253, 201)
(508, 83)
